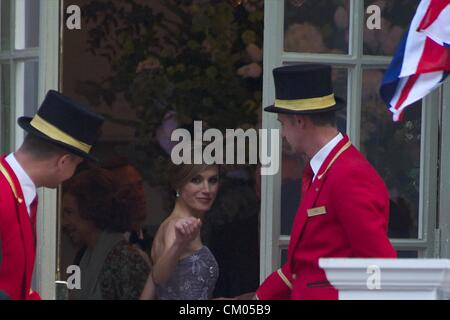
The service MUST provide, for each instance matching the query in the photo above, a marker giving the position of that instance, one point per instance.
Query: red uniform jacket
(343, 214)
(17, 238)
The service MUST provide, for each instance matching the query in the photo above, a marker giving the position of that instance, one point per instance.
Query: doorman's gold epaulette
(8, 178)
(341, 151)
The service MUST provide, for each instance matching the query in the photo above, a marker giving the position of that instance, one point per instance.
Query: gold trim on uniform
(284, 278)
(347, 145)
(317, 211)
(307, 104)
(10, 181)
(56, 134)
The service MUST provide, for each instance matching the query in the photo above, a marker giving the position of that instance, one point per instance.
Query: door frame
(430, 238)
(45, 267)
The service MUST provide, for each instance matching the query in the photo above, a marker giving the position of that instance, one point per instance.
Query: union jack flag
(422, 60)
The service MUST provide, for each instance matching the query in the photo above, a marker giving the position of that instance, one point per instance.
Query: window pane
(408, 254)
(136, 126)
(394, 150)
(27, 24)
(284, 253)
(292, 168)
(5, 26)
(31, 88)
(340, 85)
(396, 17)
(32, 23)
(319, 26)
(5, 107)
(293, 164)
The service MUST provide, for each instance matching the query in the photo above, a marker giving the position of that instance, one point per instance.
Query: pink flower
(164, 132)
(148, 64)
(255, 53)
(390, 44)
(304, 38)
(252, 70)
(380, 3)
(370, 39)
(250, 7)
(341, 18)
(371, 83)
(206, 46)
(383, 34)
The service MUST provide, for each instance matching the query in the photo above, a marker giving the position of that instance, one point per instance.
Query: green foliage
(195, 59)
(185, 60)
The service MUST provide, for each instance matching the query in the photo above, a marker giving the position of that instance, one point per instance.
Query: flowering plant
(192, 59)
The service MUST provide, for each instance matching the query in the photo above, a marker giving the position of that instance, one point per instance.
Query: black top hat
(304, 89)
(65, 123)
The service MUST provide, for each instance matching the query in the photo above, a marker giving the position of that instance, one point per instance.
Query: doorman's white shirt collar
(27, 185)
(319, 157)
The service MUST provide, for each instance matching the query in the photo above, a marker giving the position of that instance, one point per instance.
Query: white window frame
(48, 56)
(443, 233)
(16, 59)
(272, 243)
(49, 69)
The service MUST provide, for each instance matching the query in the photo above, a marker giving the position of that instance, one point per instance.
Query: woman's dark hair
(101, 201)
(181, 174)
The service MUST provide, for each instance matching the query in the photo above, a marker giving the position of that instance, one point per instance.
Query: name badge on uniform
(317, 211)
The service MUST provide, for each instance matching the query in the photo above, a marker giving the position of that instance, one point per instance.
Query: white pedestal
(389, 279)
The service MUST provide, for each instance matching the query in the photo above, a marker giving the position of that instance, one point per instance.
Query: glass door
(405, 154)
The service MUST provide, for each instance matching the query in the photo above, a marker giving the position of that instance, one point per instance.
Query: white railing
(389, 279)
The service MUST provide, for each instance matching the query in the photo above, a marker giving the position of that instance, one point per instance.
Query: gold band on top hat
(58, 135)
(306, 104)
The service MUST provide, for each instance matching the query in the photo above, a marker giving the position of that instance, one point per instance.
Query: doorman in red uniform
(344, 209)
(59, 137)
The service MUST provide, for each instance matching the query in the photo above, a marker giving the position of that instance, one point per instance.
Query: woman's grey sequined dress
(194, 278)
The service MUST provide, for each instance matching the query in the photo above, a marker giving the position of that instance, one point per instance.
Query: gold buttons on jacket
(294, 276)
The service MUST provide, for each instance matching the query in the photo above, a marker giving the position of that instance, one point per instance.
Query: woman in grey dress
(184, 268)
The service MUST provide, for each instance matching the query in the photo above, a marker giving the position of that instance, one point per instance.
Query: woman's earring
(178, 194)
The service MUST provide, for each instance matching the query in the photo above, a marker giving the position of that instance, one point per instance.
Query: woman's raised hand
(186, 230)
